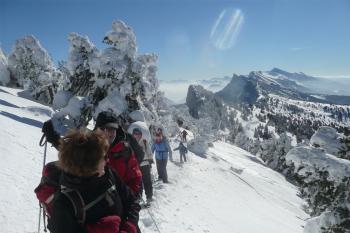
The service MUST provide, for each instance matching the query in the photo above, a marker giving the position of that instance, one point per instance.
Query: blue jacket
(162, 149)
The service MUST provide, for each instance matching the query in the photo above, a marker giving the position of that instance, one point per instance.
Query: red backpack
(48, 186)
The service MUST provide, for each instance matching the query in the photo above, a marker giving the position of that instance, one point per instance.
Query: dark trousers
(161, 169)
(147, 181)
(183, 157)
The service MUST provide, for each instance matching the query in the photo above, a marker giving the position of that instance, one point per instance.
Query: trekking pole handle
(42, 140)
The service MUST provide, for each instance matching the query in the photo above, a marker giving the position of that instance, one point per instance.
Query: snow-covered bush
(122, 38)
(324, 181)
(344, 151)
(113, 102)
(72, 115)
(328, 222)
(31, 68)
(4, 72)
(274, 150)
(61, 99)
(328, 139)
(83, 64)
(198, 146)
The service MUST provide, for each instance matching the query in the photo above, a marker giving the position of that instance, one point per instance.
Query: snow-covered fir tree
(32, 69)
(4, 71)
(116, 79)
(83, 64)
(324, 180)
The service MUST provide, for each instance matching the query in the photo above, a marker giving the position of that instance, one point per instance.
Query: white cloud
(176, 91)
(226, 29)
(332, 76)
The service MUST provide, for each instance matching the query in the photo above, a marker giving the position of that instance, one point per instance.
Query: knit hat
(136, 131)
(106, 120)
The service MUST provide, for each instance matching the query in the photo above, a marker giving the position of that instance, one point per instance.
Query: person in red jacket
(121, 157)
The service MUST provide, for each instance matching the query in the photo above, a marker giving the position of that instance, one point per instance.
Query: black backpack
(77, 201)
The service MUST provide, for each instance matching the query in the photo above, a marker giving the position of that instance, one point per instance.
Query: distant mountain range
(290, 85)
(247, 89)
(276, 101)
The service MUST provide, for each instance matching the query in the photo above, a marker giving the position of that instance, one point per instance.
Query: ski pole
(43, 142)
(39, 218)
(149, 212)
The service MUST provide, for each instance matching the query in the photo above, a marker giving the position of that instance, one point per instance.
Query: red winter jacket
(122, 159)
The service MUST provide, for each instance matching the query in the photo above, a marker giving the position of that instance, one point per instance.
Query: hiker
(159, 131)
(121, 156)
(162, 152)
(183, 151)
(146, 165)
(92, 198)
(184, 136)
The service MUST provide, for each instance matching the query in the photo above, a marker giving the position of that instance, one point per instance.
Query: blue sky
(197, 39)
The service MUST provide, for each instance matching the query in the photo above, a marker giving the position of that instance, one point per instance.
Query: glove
(105, 224)
(128, 227)
(51, 135)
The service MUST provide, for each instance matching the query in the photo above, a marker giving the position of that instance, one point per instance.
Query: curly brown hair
(81, 151)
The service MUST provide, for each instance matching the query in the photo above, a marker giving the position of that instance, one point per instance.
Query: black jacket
(125, 205)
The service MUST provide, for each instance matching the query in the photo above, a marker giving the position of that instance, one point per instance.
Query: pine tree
(32, 69)
(344, 152)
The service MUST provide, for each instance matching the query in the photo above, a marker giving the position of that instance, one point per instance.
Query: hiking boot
(146, 205)
(149, 200)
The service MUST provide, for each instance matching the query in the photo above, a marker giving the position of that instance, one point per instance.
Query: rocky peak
(202, 102)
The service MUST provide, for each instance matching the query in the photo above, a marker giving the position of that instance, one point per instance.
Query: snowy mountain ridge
(271, 82)
(311, 87)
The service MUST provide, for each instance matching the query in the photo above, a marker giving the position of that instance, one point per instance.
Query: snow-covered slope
(230, 191)
(21, 160)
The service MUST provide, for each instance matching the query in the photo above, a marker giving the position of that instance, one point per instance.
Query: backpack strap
(49, 199)
(101, 197)
(78, 203)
